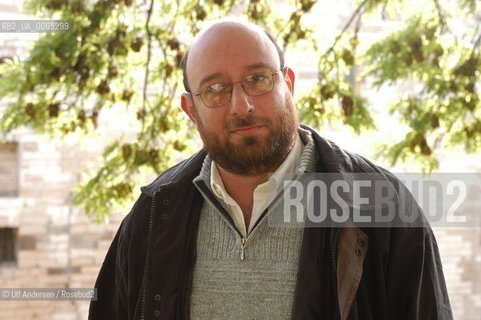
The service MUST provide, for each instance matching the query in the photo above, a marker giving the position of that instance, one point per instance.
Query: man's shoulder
(338, 163)
(172, 180)
(182, 172)
(335, 159)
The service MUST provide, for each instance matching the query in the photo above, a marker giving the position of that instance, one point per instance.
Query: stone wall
(8, 169)
(58, 246)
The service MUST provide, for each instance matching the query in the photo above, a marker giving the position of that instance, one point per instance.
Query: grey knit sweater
(250, 277)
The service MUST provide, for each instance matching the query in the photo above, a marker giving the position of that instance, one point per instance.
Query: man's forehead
(233, 41)
(216, 27)
(228, 33)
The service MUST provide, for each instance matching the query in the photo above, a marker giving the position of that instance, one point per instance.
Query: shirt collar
(287, 170)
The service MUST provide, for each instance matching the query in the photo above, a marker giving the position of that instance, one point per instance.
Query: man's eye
(217, 88)
(257, 77)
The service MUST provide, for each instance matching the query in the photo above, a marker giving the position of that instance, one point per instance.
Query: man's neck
(241, 188)
(232, 181)
(244, 195)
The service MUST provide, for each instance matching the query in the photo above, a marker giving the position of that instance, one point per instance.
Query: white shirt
(263, 193)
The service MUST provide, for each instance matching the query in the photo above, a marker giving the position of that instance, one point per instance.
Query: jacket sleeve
(415, 282)
(402, 275)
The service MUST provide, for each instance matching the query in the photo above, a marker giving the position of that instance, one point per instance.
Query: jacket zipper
(243, 241)
(334, 267)
(334, 249)
(259, 218)
(243, 246)
(186, 278)
(244, 238)
(150, 226)
(215, 202)
(205, 190)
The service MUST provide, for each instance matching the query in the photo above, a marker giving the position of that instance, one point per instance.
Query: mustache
(250, 120)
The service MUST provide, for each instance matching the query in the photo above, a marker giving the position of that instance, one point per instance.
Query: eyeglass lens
(255, 85)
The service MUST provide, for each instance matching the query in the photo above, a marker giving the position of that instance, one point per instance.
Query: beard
(253, 155)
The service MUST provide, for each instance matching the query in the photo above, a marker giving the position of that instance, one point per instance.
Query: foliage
(124, 55)
(444, 110)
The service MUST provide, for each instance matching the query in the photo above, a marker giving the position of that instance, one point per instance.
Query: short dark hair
(183, 63)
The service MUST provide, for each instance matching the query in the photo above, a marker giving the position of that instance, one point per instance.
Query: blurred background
(89, 115)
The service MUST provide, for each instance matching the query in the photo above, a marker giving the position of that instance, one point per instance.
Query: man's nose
(241, 102)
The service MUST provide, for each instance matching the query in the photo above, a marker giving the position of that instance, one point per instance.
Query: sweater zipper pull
(243, 245)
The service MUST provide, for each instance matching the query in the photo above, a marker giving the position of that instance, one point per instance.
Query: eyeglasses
(219, 94)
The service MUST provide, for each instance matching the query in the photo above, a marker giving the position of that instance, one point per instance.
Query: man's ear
(290, 79)
(188, 106)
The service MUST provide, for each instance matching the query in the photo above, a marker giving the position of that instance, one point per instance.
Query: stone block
(85, 241)
(27, 242)
(82, 261)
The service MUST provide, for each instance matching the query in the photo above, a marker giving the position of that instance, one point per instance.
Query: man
(197, 243)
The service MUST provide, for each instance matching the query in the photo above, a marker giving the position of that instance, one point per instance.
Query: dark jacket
(344, 273)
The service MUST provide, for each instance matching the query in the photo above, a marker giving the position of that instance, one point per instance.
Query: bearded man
(197, 243)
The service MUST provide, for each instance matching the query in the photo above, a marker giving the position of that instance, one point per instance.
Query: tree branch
(149, 52)
(147, 64)
(442, 19)
(383, 10)
(344, 29)
(355, 14)
(477, 42)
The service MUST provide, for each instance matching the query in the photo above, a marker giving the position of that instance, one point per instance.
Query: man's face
(250, 135)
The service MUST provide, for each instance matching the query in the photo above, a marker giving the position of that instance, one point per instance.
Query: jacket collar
(349, 167)
(182, 172)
